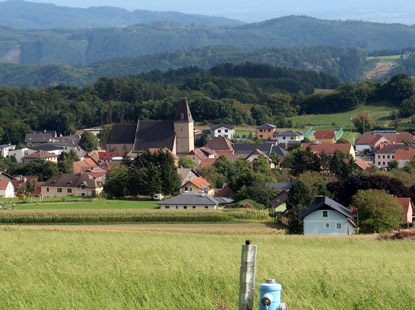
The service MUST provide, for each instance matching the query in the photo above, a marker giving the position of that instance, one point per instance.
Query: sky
(402, 11)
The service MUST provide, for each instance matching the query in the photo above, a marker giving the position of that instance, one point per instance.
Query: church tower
(183, 127)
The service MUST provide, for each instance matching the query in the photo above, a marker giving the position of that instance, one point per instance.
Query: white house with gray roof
(194, 201)
(222, 130)
(289, 136)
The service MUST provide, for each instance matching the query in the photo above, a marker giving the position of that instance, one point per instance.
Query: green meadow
(197, 267)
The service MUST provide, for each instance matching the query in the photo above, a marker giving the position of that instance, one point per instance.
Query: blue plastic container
(270, 291)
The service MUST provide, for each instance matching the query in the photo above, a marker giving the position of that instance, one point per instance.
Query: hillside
(29, 15)
(89, 45)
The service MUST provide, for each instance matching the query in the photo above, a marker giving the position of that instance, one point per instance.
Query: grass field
(246, 132)
(379, 112)
(94, 204)
(197, 267)
(388, 57)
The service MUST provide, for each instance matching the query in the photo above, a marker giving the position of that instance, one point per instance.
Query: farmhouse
(62, 185)
(6, 189)
(197, 185)
(327, 217)
(44, 155)
(194, 201)
(177, 135)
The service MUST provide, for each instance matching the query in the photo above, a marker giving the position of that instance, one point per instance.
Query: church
(177, 135)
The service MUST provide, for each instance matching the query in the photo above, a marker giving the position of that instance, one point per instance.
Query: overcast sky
(258, 10)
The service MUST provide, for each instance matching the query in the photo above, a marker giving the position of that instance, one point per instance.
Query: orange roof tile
(3, 184)
(200, 183)
(403, 154)
(207, 162)
(324, 134)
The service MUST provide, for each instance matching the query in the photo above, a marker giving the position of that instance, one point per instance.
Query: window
(325, 213)
(269, 130)
(383, 163)
(184, 207)
(389, 156)
(177, 207)
(383, 156)
(59, 190)
(219, 131)
(191, 189)
(378, 156)
(292, 138)
(206, 207)
(83, 194)
(194, 207)
(338, 226)
(283, 138)
(166, 207)
(378, 163)
(185, 188)
(69, 190)
(260, 130)
(327, 225)
(260, 136)
(47, 189)
(226, 130)
(393, 156)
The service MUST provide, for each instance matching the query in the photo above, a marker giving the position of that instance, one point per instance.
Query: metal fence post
(247, 276)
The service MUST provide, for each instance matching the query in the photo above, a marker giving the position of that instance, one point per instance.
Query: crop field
(197, 267)
(91, 204)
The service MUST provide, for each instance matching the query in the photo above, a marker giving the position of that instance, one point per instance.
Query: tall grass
(129, 216)
(183, 270)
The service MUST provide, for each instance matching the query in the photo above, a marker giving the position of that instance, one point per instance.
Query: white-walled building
(222, 130)
(6, 189)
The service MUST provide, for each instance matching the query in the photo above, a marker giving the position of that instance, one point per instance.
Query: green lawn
(245, 132)
(389, 57)
(94, 204)
(379, 112)
(197, 267)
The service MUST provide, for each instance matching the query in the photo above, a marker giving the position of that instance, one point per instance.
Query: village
(268, 150)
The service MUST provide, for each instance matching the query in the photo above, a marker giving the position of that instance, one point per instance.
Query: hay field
(196, 266)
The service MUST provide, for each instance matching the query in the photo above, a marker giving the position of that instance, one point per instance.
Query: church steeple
(183, 127)
(183, 113)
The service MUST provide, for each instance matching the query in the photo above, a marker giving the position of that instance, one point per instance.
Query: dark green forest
(238, 94)
(88, 45)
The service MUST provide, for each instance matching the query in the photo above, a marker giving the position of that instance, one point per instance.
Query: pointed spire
(183, 112)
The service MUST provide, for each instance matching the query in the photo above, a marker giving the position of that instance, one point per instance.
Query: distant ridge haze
(259, 10)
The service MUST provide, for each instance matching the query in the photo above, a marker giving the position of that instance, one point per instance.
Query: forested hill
(86, 46)
(345, 63)
(29, 15)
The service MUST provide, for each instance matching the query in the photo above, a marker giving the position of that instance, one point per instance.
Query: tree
(363, 121)
(170, 179)
(186, 162)
(116, 184)
(275, 158)
(88, 141)
(302, 160)
(393, 164)
(378, 211)
(299, 198)
(261, 164)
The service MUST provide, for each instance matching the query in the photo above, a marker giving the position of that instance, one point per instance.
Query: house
(387, 153)
(20, 153)
(6, 189)
(5, 148)
(225, 191)
(48, 147)
(197, 185)
(197, 155)
(84, 165)
(278, 203)
(327, 217)
(222, 130)
(39, 137)
(248, 148)
(403, 156)
(364, 166)
(255, 155)
(187, 174)
(102, 156)
(289, 136)
(177, 135)
(62, 185)
(267, 132)
(325, 136)
(43, 155)
(407, 209)
(194, 201)
(220, 145)
(371, 141)
(330, 149)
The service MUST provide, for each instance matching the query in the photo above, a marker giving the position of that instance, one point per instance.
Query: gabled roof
(266, 126)
(214, 127)
(183, 111)
(403, 154)
(372, 138)
(47, 147)
(364, 166)
(225, 191)
(122, 134)
(220, 143)
(326, 202)
(200, 183)
(4, 184)
(72, 180)
(290, 133)
(84, 165)
(279, 199)
(256, 152)
(40, 155)
(405, 203)
(202, 152)
(328, 148)
(393, 148)
(154, 135)
(324, 134)
(369, 138)
(279, 150)
(207, 162)
(195, 199)
(38, 137)
(250, 147)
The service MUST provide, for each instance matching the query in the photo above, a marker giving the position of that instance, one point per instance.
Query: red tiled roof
(200, 183)
(403, 154)
(202, 152)
(3, 184)
(400, 137)
(324, 134)
(328, 148)
(405, 203)
(207, 162)
(109, 155)
(82, 166)
(40, 155)
(220, 143)
(368, 138)
(362, 164)
(225, 191)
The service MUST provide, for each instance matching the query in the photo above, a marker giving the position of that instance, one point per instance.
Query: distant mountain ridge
(29, 15)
